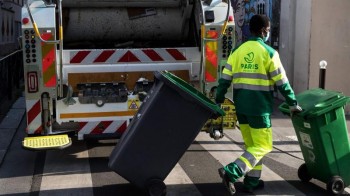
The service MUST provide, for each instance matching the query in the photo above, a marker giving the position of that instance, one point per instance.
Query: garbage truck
(88, 65)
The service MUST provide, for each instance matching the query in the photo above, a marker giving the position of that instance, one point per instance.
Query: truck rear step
(47, 142)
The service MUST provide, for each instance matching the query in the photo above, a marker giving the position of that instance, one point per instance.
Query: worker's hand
(221, 90)
(219, 100)
(295, 109)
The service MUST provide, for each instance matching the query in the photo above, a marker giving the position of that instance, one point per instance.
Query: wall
(302, 45)
(287, 34)
(311, 31)
(294, 47)
(330, 41)
(10, 23)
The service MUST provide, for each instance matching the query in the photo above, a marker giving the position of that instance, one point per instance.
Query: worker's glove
(221, 90)
(219, 101)
(295, 109)
(219, 98)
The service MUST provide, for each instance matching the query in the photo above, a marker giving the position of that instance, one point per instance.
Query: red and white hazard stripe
(127, 56)
(34, 123)
(101, 127)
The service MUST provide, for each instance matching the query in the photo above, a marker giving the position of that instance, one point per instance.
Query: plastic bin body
(322, 133)
(164, 127)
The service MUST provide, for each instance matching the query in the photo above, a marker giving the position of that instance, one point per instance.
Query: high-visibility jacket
(254, 68)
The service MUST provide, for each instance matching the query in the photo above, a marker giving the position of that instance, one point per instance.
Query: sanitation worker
(253, 68)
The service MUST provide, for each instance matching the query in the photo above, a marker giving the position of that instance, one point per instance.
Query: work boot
(250, 189)
(227, 182)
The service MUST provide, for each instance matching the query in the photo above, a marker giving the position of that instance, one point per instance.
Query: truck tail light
(32, 81)
(25, 21)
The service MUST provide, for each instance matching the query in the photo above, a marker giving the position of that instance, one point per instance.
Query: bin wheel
(156, 187)
(336, 185)
(303, 173)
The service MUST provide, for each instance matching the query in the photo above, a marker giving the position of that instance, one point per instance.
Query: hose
(36, 28)
(227, 17)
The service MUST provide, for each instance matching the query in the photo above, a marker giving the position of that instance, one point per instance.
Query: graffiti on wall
(243, 10)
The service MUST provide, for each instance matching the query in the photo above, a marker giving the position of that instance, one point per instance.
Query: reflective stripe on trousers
(256, 171)
(258, 142)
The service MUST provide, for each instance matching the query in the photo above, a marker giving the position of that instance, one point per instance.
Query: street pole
(322, 77)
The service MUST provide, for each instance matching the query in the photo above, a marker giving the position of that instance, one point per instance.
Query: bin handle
(325, 104)
(285, 110)
(322, 105)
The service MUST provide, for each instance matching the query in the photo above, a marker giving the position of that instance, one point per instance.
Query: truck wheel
(335, 186)
(303, 173)
(156, 187)
(100, 102)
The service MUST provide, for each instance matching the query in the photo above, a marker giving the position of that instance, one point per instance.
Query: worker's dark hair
(257, 22)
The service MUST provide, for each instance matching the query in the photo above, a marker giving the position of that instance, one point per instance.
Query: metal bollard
(322, 77)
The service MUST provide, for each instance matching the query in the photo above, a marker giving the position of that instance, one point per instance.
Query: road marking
(67, 170)
(178, 176)
(225, 151)
(292, 137)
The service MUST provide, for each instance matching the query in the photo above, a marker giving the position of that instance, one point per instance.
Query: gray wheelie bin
(323, 137)
(166, 124)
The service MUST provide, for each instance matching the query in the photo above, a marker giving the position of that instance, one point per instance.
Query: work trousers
(257, 135)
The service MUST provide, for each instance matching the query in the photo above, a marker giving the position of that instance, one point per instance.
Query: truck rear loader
(89, 64)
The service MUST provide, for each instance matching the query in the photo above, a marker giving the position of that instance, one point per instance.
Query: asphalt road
(82, 169)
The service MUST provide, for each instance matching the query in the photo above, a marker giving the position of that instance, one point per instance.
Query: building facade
(10, 25)
(312, 31)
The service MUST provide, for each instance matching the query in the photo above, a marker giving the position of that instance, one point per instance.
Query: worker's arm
(222, 90)
(278, 75)
(288, 93)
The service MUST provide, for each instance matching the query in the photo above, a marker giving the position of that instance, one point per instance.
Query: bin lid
(184, 86)
(315, 102)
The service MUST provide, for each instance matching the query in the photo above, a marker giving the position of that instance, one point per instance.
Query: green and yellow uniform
(254, 69)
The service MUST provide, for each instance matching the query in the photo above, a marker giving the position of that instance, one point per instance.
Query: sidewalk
(9, 123)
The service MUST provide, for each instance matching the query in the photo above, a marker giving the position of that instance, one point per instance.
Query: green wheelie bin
(323, 138)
